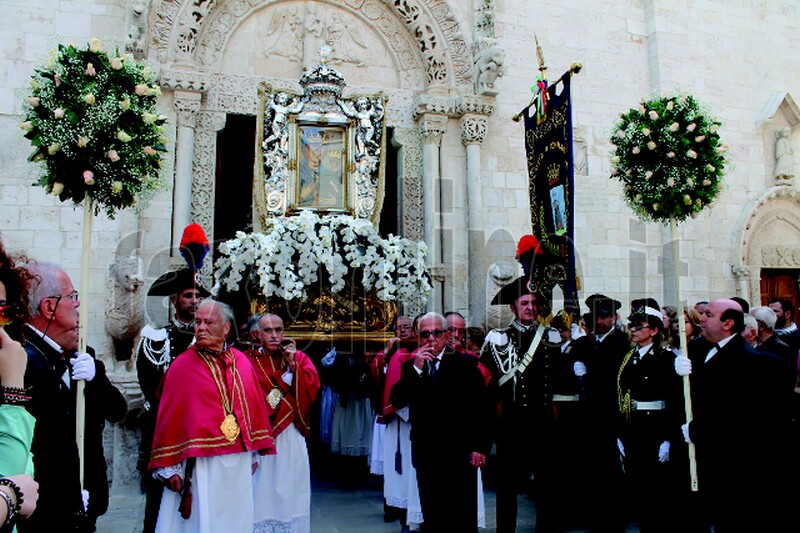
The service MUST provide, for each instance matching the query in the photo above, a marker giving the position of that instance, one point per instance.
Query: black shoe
(390, 514)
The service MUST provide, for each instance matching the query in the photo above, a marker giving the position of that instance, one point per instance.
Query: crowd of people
(585, 414)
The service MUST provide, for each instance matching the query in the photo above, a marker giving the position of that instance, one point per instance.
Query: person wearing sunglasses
(651, 404)
(450, 418)
(54, 367)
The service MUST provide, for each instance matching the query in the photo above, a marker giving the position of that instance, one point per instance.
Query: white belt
(565, 398)
(657, 405)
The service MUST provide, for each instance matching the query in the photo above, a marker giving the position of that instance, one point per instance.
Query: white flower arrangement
(92, 117)
(669, 157)
(286, 259)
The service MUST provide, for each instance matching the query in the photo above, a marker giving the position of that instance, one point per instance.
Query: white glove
(683, 366)
(663, 452)
(685, 431)
(621, 448)
(85, 496)
(579, 368)
(83, 367)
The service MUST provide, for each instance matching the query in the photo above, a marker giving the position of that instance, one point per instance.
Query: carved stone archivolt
(186, 32)
(770, 236)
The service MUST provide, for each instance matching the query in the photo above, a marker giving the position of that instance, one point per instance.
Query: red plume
(194, 246)
(526, 244)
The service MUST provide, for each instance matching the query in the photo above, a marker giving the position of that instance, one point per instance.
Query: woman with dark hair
(650, 402)
(18, 492)
(15, 281)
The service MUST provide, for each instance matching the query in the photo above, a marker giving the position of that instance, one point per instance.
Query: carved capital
(437, 272)
(433, 126)
(473, 129)
(475, 105)
(428, 103)
(187, 104)
(184, 80)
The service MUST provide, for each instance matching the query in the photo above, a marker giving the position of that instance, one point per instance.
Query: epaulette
(154, 334)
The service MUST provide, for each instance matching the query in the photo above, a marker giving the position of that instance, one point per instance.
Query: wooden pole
(682, 334)
(83, 321)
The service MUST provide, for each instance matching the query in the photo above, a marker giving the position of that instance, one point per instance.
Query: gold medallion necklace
(229, 426)
(276, 394)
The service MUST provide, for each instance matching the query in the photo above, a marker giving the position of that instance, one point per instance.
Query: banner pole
(682, 339)
(83, 321)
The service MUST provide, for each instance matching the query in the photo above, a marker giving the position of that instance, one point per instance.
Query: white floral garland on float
(669, 157)
(287, 257)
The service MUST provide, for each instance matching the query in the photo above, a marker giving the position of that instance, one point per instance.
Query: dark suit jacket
(449, 416)
(736, 429)
(55, 452)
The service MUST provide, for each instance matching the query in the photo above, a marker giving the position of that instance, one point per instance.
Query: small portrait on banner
(558, 208)
(321, 167)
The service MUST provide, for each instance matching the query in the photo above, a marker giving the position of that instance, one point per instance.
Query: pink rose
(90, 71)
(116, 63)
(141, 89)
(58, 113)
(33, 101)
(149, 150)
(88, 177)
(112, 155)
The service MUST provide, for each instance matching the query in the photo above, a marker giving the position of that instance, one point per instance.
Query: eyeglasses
(71, 296)
(7, 314)
(436, 333)
(637, 327)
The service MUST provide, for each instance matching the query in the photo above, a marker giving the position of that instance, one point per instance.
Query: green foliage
(93, 121)
(669, 157)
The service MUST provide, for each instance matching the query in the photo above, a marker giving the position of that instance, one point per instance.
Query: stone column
(187, 104)
(433, 126)
(473, 132)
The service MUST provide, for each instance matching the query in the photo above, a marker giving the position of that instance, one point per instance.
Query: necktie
(434, 364)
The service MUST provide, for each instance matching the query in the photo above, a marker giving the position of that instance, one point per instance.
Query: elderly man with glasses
(54, 367)
(449, 420)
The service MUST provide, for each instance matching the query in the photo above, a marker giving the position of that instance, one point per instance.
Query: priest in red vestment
(290, 382)
(212, 425)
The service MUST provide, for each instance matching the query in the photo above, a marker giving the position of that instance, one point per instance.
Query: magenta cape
(190, 410)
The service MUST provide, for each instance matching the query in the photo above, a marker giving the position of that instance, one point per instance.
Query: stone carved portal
(770, 238)
(225, 49)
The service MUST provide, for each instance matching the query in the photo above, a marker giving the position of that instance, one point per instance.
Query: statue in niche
(784, 161)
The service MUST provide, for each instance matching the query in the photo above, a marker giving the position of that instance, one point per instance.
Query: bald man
(737, 429)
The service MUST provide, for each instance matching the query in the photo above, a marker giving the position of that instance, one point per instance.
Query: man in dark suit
(599, 358)
(449, 420)
(735, 425)
(54, 366)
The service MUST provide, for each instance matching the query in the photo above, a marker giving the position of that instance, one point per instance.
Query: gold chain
(219, 378)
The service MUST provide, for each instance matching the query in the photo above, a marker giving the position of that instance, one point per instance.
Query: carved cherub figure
(367, 115)
(282, 106)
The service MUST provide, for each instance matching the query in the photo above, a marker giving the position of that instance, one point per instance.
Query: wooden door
(780, 283)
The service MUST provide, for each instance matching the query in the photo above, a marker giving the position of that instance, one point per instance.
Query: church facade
(453, 74)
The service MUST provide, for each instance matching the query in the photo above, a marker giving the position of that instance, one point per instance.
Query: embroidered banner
(548, 146)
